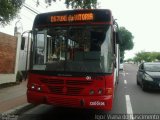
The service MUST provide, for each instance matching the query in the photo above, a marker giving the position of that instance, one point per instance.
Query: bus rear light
(109, 91)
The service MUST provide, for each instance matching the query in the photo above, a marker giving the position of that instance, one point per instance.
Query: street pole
(16, 28)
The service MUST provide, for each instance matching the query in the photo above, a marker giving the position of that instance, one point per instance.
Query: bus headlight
(91, 92)
(32, 87)
(100, 91)
(39, 89)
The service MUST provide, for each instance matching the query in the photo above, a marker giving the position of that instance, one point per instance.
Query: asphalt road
(129, 99)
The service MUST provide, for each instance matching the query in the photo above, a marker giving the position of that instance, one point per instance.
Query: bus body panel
(90, 102)
(71, 93)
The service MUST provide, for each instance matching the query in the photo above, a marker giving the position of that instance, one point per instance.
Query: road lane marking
(124, 74)
(125, 81)
(129, 107)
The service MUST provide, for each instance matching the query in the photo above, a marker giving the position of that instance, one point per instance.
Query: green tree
(147, 56)
(158, 57)
(9, 10)
(126, 39)
(85, 4)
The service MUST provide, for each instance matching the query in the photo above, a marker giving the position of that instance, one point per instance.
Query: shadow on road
(59, 113)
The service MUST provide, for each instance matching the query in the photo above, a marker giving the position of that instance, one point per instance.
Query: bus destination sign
(72, 18)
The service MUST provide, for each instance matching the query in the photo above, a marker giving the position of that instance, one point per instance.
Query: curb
(10, 84)
(20, 109)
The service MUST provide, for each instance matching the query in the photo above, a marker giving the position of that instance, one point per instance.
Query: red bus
(74, 59)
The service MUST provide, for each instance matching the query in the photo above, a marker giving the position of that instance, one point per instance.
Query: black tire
(138, 82)
(117, 81)
(144, 88)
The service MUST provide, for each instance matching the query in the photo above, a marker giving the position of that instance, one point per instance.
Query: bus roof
(73, 17)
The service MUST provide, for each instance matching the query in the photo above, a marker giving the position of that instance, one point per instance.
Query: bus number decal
(97, 103)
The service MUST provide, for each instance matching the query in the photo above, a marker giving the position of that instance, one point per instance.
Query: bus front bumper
(94, 102)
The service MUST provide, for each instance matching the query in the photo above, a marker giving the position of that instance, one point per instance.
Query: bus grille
(80, 82)
(61, 90)
(56, 89)
(52, 81)
(73, 90)
(66, 87)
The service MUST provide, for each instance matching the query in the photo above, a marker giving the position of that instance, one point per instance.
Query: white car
(121, 67)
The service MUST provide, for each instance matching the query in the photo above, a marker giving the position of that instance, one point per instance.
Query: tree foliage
(9, 10)
(147, 56)
(84, 4)
(126, 39)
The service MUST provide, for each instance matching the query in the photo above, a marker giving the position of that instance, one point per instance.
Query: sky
(140, 17)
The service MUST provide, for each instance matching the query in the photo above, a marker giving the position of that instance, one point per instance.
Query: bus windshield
(73, 49)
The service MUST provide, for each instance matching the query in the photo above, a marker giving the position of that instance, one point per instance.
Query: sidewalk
(13, 96)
